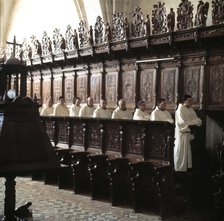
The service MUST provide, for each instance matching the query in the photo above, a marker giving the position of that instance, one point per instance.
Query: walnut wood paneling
(168, 89)
(29, 89)
(193, 77)
(148, 87)
(46, 85)
(111, 89)
(37, 85)
(96, 87)
(216, 85)
(57, 87)
(81, 85)
(69, 88)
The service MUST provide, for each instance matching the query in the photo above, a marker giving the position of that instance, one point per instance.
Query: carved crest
(46, 45)
(119, 27)
(138, 28)
(159, 18)
(58, 41)
(185, 15)
(71, 39)
(201, 15)
(85, 35)
(99, 31)
(217, 12)
(36, 47)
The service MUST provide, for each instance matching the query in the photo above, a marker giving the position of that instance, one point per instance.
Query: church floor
(52, 204)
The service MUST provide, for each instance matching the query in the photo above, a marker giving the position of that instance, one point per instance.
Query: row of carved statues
(120, 29)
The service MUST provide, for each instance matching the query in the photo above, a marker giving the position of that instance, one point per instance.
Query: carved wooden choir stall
(143, 58)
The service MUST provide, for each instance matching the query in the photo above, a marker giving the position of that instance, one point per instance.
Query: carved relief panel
(96, 87)
(46, 88)
(192, 82)
(28, 87)
(57, 87)
(168, 87)
(135, 140)
(81, 86)
(36, 86)
(111, 89)
(216, 85)
(147, 87)
(69, 88)
(129, 88)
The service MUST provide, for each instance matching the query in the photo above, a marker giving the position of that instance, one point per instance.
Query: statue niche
(159, 18)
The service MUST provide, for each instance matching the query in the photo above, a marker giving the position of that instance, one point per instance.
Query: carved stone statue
(46, 45)
(138, 23)
(118, 27)
(201, 15)
(99, 30)
(58, 41)
(217, 12)
(185, 15)
(159, 18)
(171, 20)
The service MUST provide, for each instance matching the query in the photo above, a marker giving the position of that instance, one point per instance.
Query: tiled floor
(51, 204)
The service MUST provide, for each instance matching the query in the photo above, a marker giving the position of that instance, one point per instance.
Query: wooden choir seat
(153, 188)
(99, 177)
(80, 172)
(120, 173)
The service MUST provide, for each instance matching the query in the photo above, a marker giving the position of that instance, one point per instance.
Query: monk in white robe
(48, 109)
(121, 112)
(185, 116)
(160, 113)
(75, 107)
(140, 112)
(88, 109)
(61, 108)
(102, 111)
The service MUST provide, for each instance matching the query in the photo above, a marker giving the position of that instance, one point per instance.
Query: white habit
(141, 115)
(120, 114)
(86, 111)
(61, 110)
(184, 118)
(74, 110)
(161, 115)
(101, 113)
(47, 111)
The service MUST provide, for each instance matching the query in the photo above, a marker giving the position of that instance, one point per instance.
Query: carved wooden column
(29, 85)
